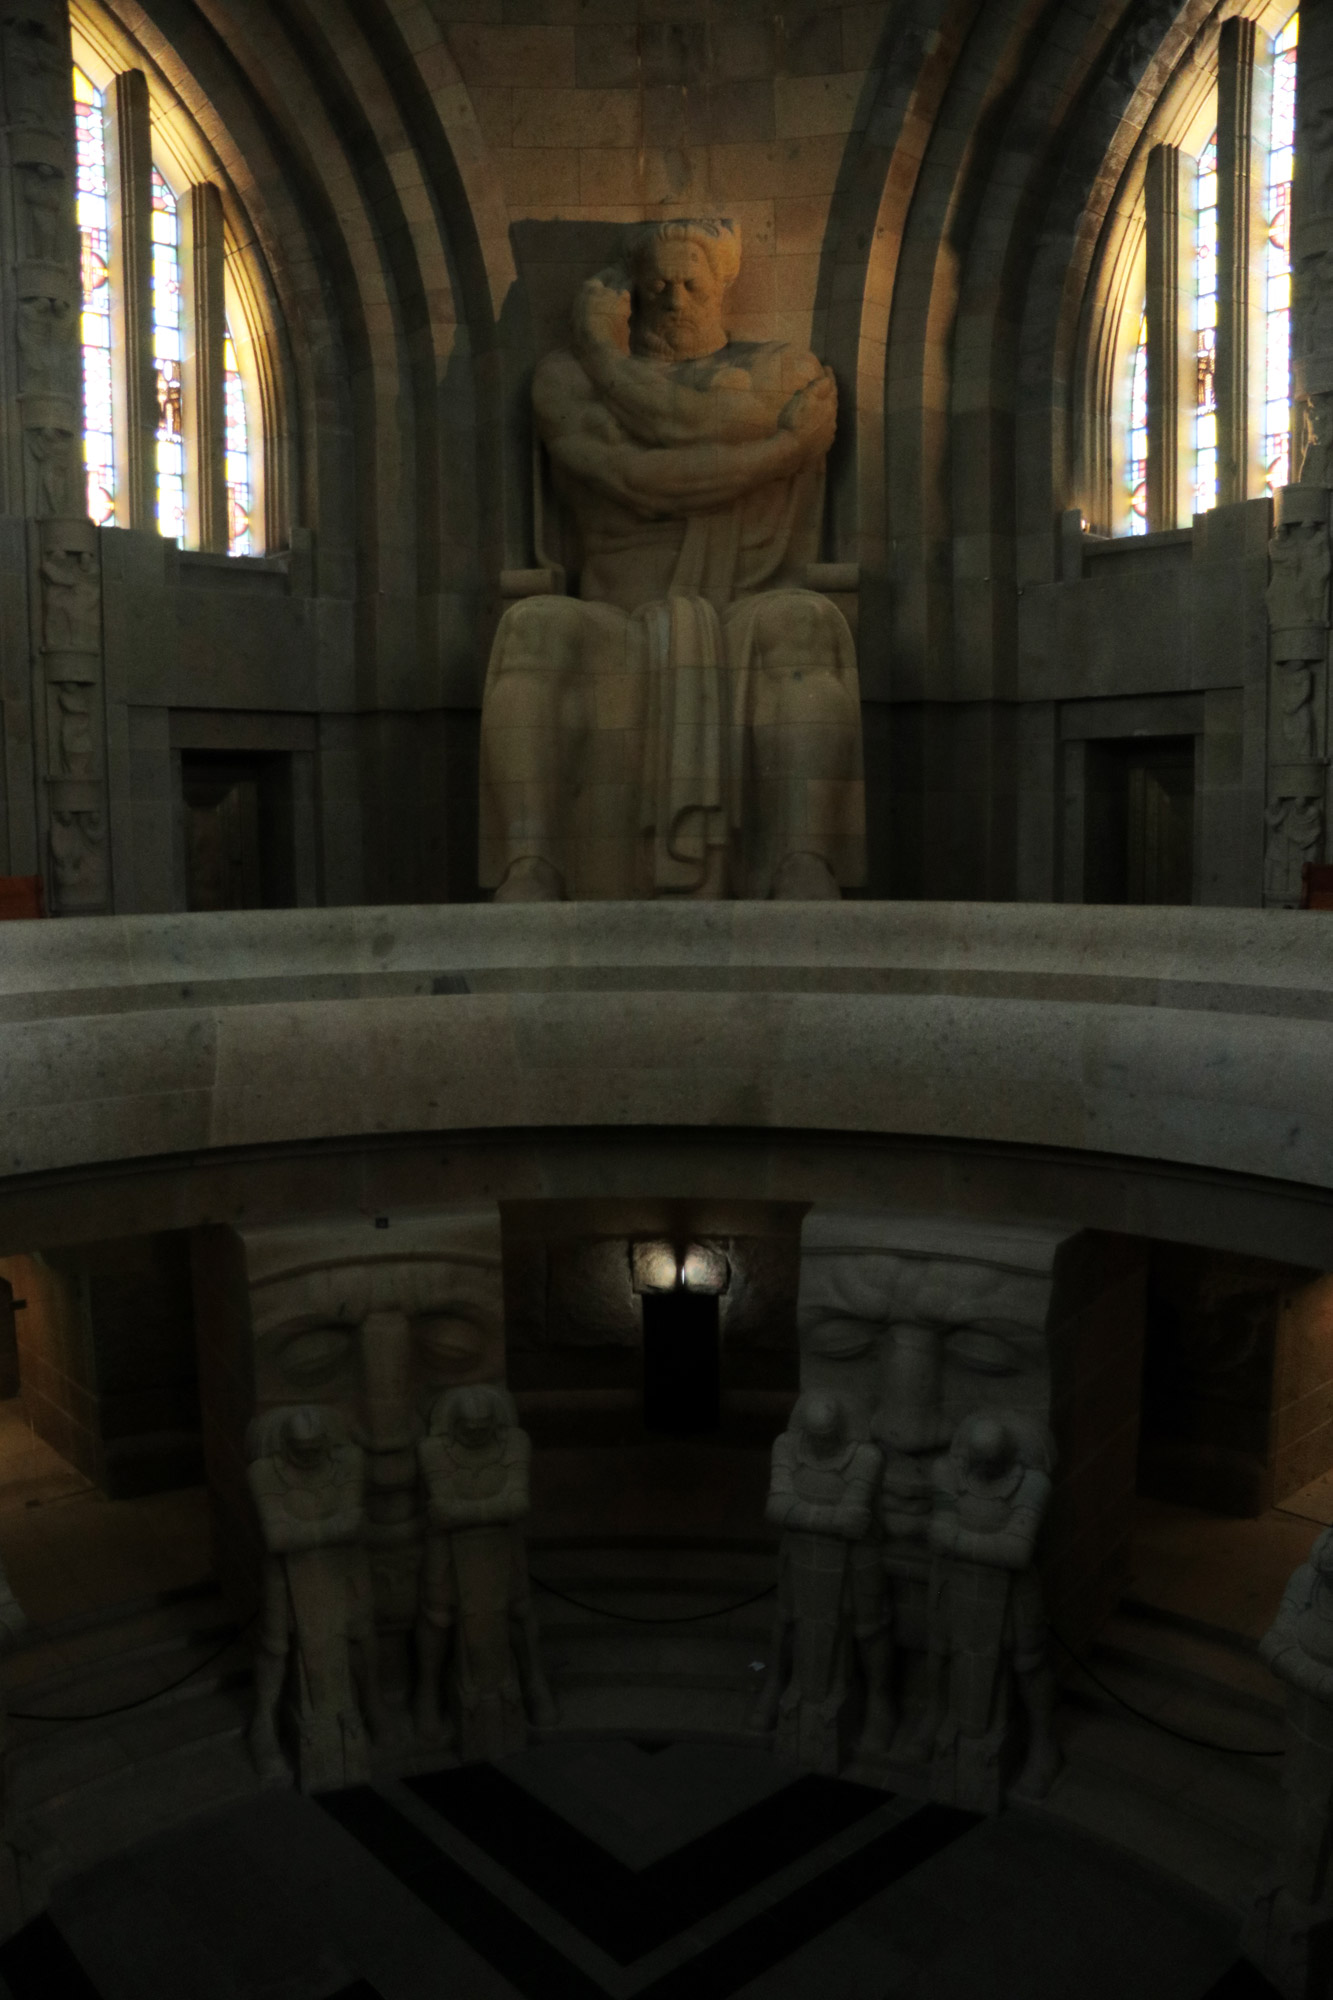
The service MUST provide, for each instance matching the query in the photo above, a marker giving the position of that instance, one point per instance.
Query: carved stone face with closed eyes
(375, 1324)
(678, 302)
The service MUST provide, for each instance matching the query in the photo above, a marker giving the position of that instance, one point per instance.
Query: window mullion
(205, 335)
(1169, 195)
(1242, 173)
(131, 170)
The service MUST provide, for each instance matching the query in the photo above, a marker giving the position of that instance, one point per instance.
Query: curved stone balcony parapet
(1234, 961)
(1195, 1037)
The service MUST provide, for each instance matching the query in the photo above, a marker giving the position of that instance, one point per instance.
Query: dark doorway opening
(1140, 821)
(681, 1363)
(239, 841)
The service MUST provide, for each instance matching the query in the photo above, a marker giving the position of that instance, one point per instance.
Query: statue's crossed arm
(588, 443)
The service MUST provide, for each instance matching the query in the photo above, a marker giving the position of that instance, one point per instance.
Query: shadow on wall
(1238, 1380)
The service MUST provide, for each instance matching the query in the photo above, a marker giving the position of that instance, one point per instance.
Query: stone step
(144, 1783)
(1210, 1821)
(43, 1651)
(164, 1648)
(171, 1648)
(1182, 1653)
(1157, 1750)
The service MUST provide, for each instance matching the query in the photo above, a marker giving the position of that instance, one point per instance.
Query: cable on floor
(123, 1707)
(1181, 1736)
(637, 1617)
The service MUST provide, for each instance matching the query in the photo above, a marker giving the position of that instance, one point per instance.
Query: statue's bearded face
(678, 301)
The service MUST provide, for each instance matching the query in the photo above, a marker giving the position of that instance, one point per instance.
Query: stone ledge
(1191, 1037)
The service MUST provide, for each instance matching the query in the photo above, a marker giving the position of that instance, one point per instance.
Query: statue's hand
(601, 318)
(812, 413)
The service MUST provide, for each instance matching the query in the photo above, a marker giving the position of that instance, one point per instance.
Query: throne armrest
(839, 581)
(549, 581)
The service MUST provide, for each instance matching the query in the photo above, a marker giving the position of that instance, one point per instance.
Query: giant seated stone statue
(689, 724)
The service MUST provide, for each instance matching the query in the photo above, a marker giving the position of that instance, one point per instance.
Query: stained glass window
(1277, 263)
(1205, 325)
(1136, 455)
(167, 361)
(240, 541)
(94, 219)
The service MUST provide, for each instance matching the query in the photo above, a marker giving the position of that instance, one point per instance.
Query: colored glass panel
(94, 220)
(167, 361)
(1205, 331)
(240, 540)
(1136, 455)
(1277, 262)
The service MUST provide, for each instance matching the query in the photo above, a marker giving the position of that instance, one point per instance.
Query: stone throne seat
(671, 704)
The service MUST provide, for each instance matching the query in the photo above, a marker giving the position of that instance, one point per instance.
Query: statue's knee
(537, 632)
(797, 631)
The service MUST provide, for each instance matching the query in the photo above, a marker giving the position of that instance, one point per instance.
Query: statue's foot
(761, 1718)
(530, 879)
(1040, 1770)
(542, 1709)
(878, 1731)
(390, 1728)
(429, 1723)
(267, 1756)
(805, 878)
(914, 1742)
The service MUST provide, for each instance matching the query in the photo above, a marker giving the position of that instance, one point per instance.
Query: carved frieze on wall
(1296, 808)
(45, 475)
(1298, 619)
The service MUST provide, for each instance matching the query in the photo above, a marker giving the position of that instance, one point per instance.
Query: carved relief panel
(42, 475)
(1295, 811)
(357, 1342)
(910, 1636)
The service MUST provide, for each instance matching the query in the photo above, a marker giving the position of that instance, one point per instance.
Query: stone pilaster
(1312, 253)
(1295, 811)
(44, 476)
(1298, 593)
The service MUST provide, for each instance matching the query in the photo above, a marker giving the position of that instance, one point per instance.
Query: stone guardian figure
(317, 1631)
(988, 1622)
(830, 1589)
(689, 724)
(1291, 1934)
(476, 1612)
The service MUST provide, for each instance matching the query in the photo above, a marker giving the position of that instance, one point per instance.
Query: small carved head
(986, 1441)
(473, 1414)
(305, 1436)
(822, 1419)
(680, 271)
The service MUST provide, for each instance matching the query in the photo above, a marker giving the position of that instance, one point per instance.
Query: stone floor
(581, 1870)
(1226, 1574)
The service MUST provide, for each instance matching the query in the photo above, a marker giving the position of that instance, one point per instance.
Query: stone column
(1169, 197)
(44, 477)
(202, 254)
(1243, 111)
